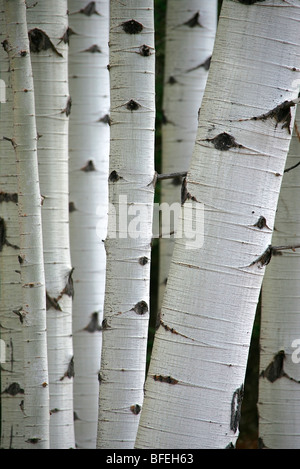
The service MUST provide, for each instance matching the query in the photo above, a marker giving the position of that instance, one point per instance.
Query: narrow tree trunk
(128, 246)
(280, 326)
(194, 387)
(89, 152)
(190, 34)
(12, 362)
(49, 35)
(35, 404)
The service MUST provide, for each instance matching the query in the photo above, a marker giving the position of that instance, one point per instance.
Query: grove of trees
(149, 224)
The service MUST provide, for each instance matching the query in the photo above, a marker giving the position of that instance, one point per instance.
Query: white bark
(12, 364)
(89, 152)
(50, 69)
(278, 405)
(33, 313)
(131, 190)
(190, 34)
(194, 386)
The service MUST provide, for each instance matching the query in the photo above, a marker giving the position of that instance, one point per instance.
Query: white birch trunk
(89, 152)
(12, 363)
(194, 387)
(128, 249)
(47, 24)
(36, 390)
(278, 405)
(190, 34)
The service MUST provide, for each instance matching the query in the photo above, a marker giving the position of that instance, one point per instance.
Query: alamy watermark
(296, 353)
(141, 221)
(2, 91)
(2, 351)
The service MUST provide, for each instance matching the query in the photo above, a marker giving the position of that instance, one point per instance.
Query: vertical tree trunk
(190, 34)
(194, 387)
(89, 152)
(49, 35)
(280, 326)
(128, 247)
(12, 363)
(33, 313)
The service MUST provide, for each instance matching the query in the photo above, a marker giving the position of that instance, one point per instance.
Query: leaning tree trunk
(190, 34)
(11, 359)
(35, 404)
(194, 387)
(128, 246)
(278, 405)
(89, 151)
(49, 35)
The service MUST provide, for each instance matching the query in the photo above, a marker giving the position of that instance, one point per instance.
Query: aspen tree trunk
(280, 327)
(194, 387)
(190, 34)
(11, 331)
(35, 404)
(128, 245)
(89, 152)
(49, 35)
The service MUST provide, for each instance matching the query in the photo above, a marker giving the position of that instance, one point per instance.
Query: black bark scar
(185, 195)
(205, 65)
(132, 27)
(236, 406)
(281, 114)
(275, 369)
(194, 21)
(93, 325)
(70, 371)
(7, 197)
(165, 379)
(224, 142)
(39, 40)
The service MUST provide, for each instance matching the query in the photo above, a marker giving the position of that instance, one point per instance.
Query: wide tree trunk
(89, 152)
(278, 406)
(194, 387)
(35, 403)
(128, 245)
(190, 34)
(11, 358)
(49, 36)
